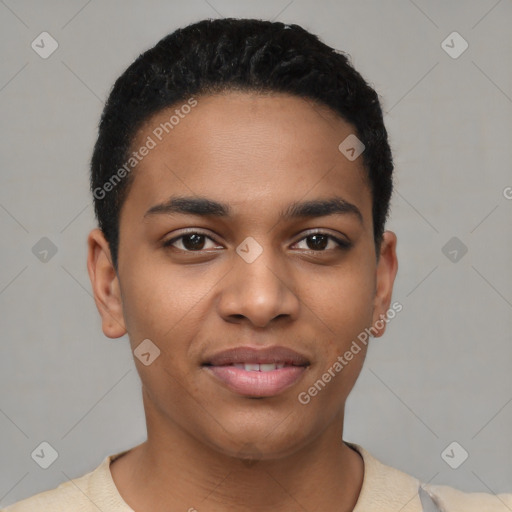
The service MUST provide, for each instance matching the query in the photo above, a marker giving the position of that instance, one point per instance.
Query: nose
(259, 292)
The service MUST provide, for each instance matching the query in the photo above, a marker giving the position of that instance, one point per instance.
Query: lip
(251, 355)
(226, 367)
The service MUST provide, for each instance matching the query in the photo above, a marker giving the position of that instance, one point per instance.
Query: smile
(264, 367)
(256, 372)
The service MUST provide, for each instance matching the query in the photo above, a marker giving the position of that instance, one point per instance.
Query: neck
(173, 470)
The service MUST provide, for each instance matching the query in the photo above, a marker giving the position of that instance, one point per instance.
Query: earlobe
(105, 285)
(387, 268)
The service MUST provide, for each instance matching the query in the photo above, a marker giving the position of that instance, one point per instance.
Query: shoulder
(88, 493)
(450, 499)
(387, 488)
(71, 495)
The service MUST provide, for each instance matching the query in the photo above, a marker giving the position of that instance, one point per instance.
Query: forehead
(246, 149)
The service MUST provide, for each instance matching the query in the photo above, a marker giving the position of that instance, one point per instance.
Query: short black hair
(213, 56)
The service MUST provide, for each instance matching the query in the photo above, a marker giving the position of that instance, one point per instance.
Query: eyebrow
(205, 207)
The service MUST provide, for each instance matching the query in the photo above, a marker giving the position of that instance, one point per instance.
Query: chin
(259, 437)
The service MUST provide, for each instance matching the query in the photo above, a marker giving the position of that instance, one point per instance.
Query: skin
(258, 153)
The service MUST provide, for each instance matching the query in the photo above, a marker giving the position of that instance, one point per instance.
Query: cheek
(159, 300)
(341, 301)
(164, 307)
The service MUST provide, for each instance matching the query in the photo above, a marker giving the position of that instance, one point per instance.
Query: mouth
(255, 372)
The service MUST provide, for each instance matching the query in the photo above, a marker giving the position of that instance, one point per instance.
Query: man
(242, 178)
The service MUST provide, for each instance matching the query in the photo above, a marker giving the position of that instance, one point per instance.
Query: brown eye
(190, 242)
(317, 242)
(193, 242)
(320, 242)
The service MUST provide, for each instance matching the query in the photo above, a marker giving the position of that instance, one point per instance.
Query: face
(245, 230)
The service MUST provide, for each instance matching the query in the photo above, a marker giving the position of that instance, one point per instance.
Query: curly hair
(219, 55)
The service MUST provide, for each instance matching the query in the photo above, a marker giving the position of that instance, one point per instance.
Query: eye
(195, 241)
(192, 241)
(319, 242)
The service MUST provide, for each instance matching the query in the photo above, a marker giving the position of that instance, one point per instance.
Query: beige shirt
(384, 489)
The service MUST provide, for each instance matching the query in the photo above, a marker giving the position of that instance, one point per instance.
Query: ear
(105, 285)
(387, 268)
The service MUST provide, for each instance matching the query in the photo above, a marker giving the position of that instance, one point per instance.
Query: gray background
(441, 373)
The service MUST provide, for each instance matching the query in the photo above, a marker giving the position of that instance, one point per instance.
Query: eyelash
(342, 244)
